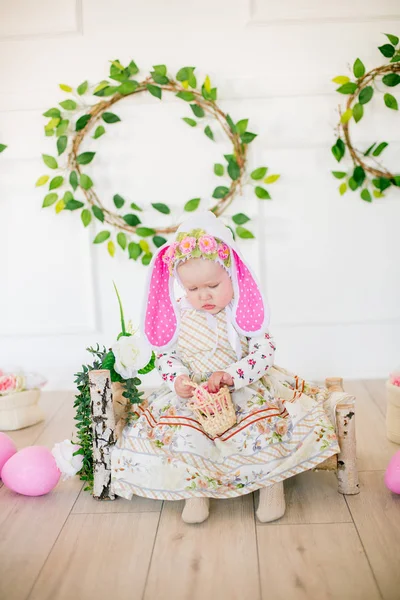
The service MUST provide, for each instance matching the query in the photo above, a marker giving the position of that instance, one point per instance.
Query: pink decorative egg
(32, 471)
(7, 449)
(392, 475)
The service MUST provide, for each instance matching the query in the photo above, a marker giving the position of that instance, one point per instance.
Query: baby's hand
(217, 379)
(182, 388)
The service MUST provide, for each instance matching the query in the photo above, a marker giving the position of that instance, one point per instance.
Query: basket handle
(193, 384)
(200, 387)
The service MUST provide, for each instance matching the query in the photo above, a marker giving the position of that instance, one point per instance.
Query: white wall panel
(328, 264)
(22, 19)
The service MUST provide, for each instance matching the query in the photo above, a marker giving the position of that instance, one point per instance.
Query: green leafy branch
(103, 359)
(82, 405)
(83, 416)
(74, 119)
(367, 174)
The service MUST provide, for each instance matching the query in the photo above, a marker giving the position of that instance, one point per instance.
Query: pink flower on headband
(173, 248)
(169, 254)
(223, 251)
(207, 244)
(187, 245)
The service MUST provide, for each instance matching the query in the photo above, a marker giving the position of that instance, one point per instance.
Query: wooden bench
(104, 424)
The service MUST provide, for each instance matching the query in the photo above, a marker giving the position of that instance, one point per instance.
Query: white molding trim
(320, 21)
(35, 36)
(78, 332)
(254, 21)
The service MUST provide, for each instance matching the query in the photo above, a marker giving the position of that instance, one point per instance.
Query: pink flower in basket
(8, 383)
(223, 251)
(200, 400)
(395, 379)
(187, 244)
(207, 244)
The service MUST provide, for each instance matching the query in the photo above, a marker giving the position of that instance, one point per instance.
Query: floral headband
(196, 244)
(211, 240)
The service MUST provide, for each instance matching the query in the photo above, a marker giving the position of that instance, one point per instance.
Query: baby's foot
(272, 503)
(196, 510)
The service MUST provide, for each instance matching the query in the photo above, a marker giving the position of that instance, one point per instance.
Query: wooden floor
(68, 546)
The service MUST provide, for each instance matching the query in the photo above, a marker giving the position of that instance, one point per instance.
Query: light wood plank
(307, 562)
(99, 556)
(374, 450)
(28, 534)
(217, 559)
(312, 497)
(87, 504)
(376, 513)
(30, 526)
(377, 390)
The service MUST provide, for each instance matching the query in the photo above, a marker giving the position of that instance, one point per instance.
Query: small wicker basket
(20, 409)
(215, 412)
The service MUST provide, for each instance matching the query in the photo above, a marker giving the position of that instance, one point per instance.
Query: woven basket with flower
(215, 412)
(19, 397)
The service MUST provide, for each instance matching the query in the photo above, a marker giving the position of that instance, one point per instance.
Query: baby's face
(207, 284)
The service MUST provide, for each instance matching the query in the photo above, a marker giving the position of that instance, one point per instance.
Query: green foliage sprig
(103, 359)
(366, 175)
(71, 188)
(83, 416)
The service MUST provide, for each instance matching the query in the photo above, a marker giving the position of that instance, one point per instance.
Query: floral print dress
(282, 429)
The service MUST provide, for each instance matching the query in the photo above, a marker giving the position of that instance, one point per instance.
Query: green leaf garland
(366, 172)
(76, 119)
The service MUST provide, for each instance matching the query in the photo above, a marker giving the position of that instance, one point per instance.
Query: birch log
(103, 427)
(346, 431)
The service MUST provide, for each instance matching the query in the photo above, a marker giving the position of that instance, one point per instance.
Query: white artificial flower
(34, 381)
(131, 354)
(68, 464)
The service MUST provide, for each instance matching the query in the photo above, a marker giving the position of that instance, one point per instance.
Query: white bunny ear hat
(250, 315)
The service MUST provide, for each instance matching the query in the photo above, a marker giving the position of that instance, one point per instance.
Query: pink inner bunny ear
(160, 319)
(250, 310)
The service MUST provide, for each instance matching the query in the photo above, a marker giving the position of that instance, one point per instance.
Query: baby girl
(216, 333)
